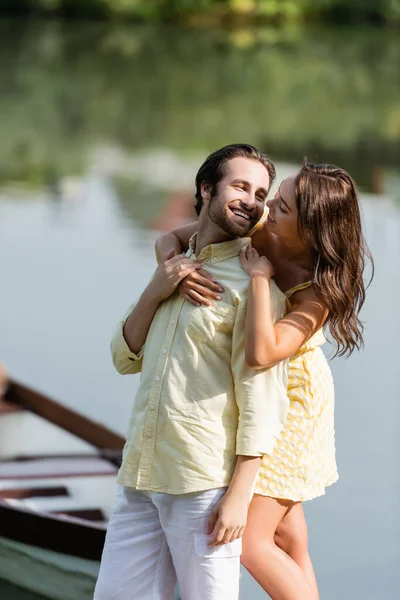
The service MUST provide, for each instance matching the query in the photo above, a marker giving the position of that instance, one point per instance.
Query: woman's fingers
(200, 289)
(197, 298)
(176, 258)
(189, 298)
(183, 272)
(176, 261)
(199, 286)
(182, 266)
(204, 278)
(249, 252)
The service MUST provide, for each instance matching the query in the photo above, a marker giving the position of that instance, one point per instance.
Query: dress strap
(297, 288)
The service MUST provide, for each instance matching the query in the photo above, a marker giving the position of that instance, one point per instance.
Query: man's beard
(218, 215)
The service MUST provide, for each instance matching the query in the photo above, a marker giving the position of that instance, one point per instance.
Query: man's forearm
(138, 323)
(244, 475)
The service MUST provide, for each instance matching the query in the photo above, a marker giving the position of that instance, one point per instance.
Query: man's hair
(213, 168)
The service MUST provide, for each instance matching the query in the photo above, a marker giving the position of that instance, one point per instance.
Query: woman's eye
(281, 209)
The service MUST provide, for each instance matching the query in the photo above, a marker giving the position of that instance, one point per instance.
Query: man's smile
(240, 213)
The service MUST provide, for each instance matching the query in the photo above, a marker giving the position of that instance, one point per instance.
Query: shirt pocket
(212, 325)
(229, 550)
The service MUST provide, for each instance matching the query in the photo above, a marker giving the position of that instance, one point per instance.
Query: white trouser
(155, 540)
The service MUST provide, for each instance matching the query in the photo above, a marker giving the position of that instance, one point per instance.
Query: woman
(311, 241)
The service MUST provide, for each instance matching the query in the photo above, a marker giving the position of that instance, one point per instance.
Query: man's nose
(249, 201)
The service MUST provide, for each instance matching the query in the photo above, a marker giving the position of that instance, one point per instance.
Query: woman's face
(282, 217)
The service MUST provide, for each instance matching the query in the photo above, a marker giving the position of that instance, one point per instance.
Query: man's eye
(239, 186)
(261, 198)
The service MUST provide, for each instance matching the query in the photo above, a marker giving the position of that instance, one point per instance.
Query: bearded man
(202, 419)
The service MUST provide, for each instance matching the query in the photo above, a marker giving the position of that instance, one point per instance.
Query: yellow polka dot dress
(303, 463)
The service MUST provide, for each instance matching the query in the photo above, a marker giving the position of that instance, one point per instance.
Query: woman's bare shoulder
(309, 300)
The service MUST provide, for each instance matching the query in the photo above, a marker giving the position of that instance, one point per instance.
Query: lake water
(104, 130)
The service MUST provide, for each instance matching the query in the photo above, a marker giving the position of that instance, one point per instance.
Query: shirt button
(164, 351)
(149, 434)
(152, 406)
(157, 378)
(173, 321)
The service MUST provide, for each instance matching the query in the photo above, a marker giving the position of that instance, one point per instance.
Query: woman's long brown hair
(329, 223)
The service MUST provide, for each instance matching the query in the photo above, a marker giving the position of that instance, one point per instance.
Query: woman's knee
(265, 514)
(252, 551)
(291, 536)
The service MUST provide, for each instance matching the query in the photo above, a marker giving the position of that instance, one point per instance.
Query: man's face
(240, 196)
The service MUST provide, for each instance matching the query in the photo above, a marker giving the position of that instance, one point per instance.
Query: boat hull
(47, 573)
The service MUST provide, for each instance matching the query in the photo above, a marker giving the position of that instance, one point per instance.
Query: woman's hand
(170, 273)
(199, 287)
(254, 264)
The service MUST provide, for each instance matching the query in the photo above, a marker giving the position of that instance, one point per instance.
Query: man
(202, 419)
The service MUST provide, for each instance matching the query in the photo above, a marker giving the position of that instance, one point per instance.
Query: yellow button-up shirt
(198, 404)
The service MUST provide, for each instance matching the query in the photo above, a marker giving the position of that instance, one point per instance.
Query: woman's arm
(198, 287)
(165, 280)
(176, 240)
(269, 343)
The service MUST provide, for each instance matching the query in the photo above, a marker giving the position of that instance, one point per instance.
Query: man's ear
(205, 191)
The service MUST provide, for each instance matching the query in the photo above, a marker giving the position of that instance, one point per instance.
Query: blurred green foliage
(372, 11)
(70, 88)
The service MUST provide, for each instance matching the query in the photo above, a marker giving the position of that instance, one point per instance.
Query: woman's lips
(270, 219)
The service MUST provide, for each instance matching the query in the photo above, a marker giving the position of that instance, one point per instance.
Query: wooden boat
(57, 485)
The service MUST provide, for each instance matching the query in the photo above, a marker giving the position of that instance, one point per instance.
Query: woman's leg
(292, 537)
(271, 567)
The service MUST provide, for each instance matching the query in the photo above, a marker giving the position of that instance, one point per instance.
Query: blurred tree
(70, 88)
(384, 11)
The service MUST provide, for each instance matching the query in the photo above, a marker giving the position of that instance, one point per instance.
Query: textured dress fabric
(303, 463)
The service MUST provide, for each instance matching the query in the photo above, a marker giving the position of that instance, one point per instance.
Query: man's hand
(228, 519)
(170, 273)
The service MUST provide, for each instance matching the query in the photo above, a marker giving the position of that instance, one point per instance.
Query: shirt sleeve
(261, 395)
(125, 361)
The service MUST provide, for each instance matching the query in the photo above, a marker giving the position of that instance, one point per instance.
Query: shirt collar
(217, 252)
